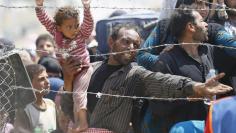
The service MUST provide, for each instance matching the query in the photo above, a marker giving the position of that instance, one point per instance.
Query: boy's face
(69, 28)
(202, 7)
(45, 48)
(40, 81)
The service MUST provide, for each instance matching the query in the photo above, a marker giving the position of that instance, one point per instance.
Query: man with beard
(39, 116)
(189, 59)
(119, 75)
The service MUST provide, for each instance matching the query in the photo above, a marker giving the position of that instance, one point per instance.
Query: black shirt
(97, 81)
(178, 62)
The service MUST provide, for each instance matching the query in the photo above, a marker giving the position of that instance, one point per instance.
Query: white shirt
(46, 119)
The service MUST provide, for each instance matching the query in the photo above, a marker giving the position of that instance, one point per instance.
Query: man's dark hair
(45, 37)
(115, 30)
(179, 20)
(51, 64)
(34, 69)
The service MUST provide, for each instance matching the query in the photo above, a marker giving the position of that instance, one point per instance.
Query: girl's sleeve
(45, 20)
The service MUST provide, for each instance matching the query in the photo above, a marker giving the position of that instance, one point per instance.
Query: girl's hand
(39, 2)
(86, 3)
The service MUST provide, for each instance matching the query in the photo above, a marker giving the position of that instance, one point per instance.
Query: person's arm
(147, 58)
(69, 68)
(87, 24)
(172, 86)
(22, 123)
(224, 38)
(44, 18)
(164, 64)
(219, 36)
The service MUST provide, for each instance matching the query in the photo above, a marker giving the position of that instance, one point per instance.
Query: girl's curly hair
(65, 13)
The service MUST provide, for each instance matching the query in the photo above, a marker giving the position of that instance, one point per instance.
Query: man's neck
(112, 61)
(190, 46)
(39, 101)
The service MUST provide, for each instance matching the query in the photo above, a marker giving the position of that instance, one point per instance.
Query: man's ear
(110, 42)
(190, 26)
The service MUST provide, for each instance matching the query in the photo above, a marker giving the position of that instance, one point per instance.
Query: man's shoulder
(167, 55)
(49, 102)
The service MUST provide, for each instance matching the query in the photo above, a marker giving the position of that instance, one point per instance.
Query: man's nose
(44, 47)
(131, 46)
(47, 81)
(206, 25)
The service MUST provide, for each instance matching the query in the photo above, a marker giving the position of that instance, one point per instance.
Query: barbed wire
(135, 50)
(99, 95)
(120, 8)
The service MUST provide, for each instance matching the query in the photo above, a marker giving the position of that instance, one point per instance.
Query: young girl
(70, 40)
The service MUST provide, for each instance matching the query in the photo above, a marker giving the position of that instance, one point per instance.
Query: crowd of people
(191, 75)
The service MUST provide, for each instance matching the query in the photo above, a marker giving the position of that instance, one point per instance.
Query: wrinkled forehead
(128, 34)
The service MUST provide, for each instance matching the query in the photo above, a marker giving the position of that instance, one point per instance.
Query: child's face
(45, 48)
(202, 7)
(40, 81)
(69, 28)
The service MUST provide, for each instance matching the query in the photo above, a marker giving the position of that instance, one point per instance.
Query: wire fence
(8, 79)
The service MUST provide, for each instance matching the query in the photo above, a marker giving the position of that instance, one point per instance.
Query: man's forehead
(197, 15)
(128, 33)
(41, 74)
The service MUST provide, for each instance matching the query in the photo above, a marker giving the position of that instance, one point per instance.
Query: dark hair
(65, 13)
(45, 37)
(188, 2)
(34, 69)
(184, 2)
(115, 30)
(51, 64)
(179, 20)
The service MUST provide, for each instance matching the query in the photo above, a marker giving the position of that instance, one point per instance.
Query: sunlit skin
(201, 31)
(45, 48)
(69, 28)
(40, 82)
(202, 7)
(128, 40)
(231, 3)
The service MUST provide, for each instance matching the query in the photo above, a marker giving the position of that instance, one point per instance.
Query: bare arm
(44, 18)
(87, 24)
